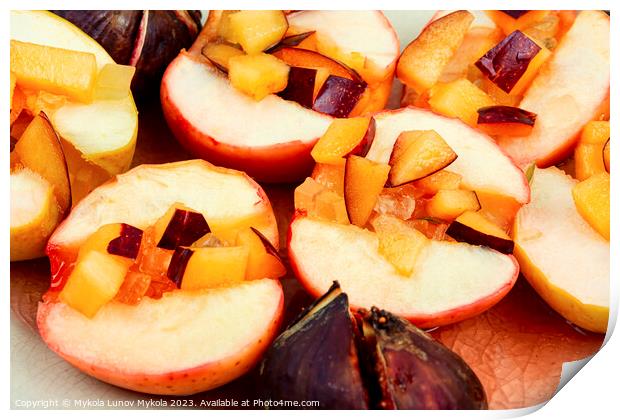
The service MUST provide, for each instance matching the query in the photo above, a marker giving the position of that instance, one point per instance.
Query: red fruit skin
(184, 382)
(279, 163)
(421, 320)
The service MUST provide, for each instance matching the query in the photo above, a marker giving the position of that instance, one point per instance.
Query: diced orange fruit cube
(442, 180)
(591, 198)
(418, 154)
(460, 99)
(220, 54)
(424, 59)
(320, 202)
(39, 149)
(305, 194)
(342, 137)
(261, 263)
(114, 82)
(450, 204)
(94, 281)
(55, 70)
(257, 30)
(331, 176)
(363, 182)
(258, 75)
(100, 240)
(399, 243)
(589, 158)
(498, 95)
(215, 267)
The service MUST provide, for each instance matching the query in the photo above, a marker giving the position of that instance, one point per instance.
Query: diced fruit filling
(418, 154)
(460, 99)
(258, 75)
(344, 136)
(589, 152)
(450, 204)
(363, 182)
(591, 198)
(123, 263)
(251, 46)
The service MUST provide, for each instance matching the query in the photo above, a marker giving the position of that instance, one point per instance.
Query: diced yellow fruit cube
(399, 243)
(460, 99)
(55, 70)
(100, 240)
(258, 75)
(215, 267)
(450, 204)
(94, 281)
(442, 180)
(341, 137)
(320, 202)
(257, 30)
(220, 54)
(114, 82)
(592, 201)
(224, 29)
(589, 151)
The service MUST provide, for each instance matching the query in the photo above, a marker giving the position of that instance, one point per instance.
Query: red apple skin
(421, 320)
(184, 382)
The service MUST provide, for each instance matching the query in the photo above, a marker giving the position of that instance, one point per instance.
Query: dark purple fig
(300, 86)
(290, 41)
(418, 372)
(128, 243)
(338, 96)
(516, 14)
(185, 228)
(505, 114)
(315, 358)
(178, 264)
(372, 360)
(505, 63)
(146, 39)
(365, 144)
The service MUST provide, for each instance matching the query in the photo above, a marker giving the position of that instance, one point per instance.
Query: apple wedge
(228, 199)
(103, 131)
(481, 163)
(162, 346)
(450, 281)
(560, 254)
(271, 139)
(566, 94)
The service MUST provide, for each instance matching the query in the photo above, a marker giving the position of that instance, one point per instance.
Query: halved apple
(560, 254)
(450, 281)
(481, 163)
(185, 339)
(103, 132)
(274, 138)
(567, 92)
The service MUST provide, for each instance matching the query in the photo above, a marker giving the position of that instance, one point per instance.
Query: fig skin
(371, 360)
(315, 359)
(146, 39)
(421, 373)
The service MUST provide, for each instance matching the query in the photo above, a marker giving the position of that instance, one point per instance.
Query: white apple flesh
(450, 281)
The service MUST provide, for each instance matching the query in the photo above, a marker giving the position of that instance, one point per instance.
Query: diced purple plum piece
(128, 243)
(300, 86)
(184, 228)
(516, 14)
(505, 114)
(338, 96)
(505, 63)
(178, 264)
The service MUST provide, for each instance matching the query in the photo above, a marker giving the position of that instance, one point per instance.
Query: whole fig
(370, 359)
(146, 39)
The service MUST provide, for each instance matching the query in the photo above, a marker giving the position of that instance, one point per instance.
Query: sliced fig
(315, 358)
(505, 63)
(372, 360)
(338, 96)
(300, 86)
(128, 243)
